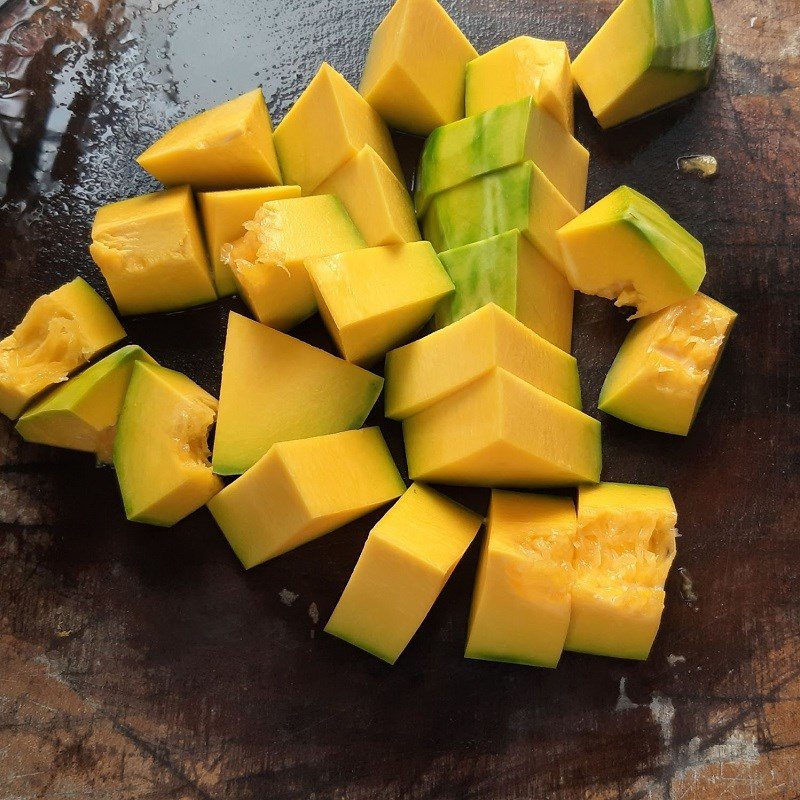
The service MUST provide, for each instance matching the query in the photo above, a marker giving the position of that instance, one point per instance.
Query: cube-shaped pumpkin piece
(373, 299)
(647, 54)
(509, 271)
(161, 446)
(440, 364)
(629, 250)
(502, 137)
(523, 67)
(277, 389)
(325, 128)
(516, 198)
(228, 146)
(405, 563)
(522, 599)
(414, 73)
(378, 203)
(224, 215)
(268, 261)
(500, 431)
(303, 489)
(59, 333)
(150, 250)
(82, 413)
(665, 365)
(624, 548)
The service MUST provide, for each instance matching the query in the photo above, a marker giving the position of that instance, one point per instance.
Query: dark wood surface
(142, 663)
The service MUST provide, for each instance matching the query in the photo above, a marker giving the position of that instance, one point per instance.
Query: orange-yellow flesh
(161, 450)
(628, 249)
(500, 431)
(303, 489)
(224, 214)
(229, 146)
(521, 605)
(407, 559)
(276, 388)
(326, 127)
(151, 252)
(439, 364)
(414, 72)
(606, 67)
(645, 55)
(545, 299)
(267, 261)
(624, 548)
(59, 333)
(519, 68)
(665, 365)
(375, 198)
(375, 298)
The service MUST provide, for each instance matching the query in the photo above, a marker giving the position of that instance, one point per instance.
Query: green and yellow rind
(648, 54)
(471, 147)
(480, 208)
(482, 272)
(41, 422)
(685, 37)
(675, 244)
(677, 247)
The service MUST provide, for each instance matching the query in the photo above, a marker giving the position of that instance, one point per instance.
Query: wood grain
(145, 664)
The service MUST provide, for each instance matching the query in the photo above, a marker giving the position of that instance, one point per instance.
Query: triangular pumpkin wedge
(276, 388)
(227, 147)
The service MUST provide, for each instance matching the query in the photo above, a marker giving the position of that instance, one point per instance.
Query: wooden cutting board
(141, 663)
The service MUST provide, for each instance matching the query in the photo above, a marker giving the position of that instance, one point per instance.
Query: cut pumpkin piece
(442, 363)
(267, 262)
(82, 413)
(224, 215)
(150, 250)
(647, 54)
(500, 431)
(277, 389)
(516, 198)
(502, 137)
(523, 67)
(161, 447)
(624, 548)
(521, 605)
(414, 73)
(629, 250)
(377, 201)
(509, 271)
(374, 299)
(229, 146)
(407, 559)
(60, 332)
(304, 489)
(325, 128)
(665, 365)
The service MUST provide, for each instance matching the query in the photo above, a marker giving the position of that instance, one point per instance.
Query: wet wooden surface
(140, 663)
